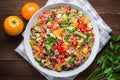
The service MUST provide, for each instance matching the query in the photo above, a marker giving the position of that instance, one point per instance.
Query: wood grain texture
(14, 67)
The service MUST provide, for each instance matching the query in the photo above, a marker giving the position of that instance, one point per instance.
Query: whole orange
(29, 9)
(13, 25)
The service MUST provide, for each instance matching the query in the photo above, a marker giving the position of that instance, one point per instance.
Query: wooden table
(14, 67)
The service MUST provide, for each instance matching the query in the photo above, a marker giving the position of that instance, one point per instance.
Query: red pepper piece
(66, 55)
(61, 49)
(55, 47)
(82, 26)
(60, 42)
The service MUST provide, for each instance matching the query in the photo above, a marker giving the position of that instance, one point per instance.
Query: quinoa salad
(61, 38)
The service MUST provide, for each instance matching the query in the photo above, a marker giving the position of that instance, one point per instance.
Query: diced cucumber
(38, 39)
(64, 16)
(68, 59)
(80, 13)
(59, 37)
(31, 42)
(56, 53)
(84, 36)
(88, 38)
(48, 47)
(49, 24)
(91, 43)
(52, 35)
(71, 29)
(76, 33)
(37, 35)
(68, 51)
(72, 59)
(74, 19)
(89, 25)
(44, 61)
(70, 15)
(59, 16)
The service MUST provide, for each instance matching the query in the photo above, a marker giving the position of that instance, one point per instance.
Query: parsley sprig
(109, 63)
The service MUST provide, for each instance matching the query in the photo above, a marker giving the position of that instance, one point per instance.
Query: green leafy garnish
(66, 37)
(109, 63)
(50, 40)
(64, 24)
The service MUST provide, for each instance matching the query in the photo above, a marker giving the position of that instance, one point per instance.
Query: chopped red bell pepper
(61, 57)
(66, 55)
(60, 42)
(87, 30)
(89, 48)
(61, 49)
(55, 25)
(82, 26)
(55, 47)
(92, 39)
(31, 28)
(68, 8)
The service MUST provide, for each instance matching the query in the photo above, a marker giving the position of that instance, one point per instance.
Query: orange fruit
(29, 9)
(13, 25)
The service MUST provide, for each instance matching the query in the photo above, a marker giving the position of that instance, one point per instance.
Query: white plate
(63, 73)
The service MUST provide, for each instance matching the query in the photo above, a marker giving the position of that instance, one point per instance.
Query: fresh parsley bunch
(109, 63)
